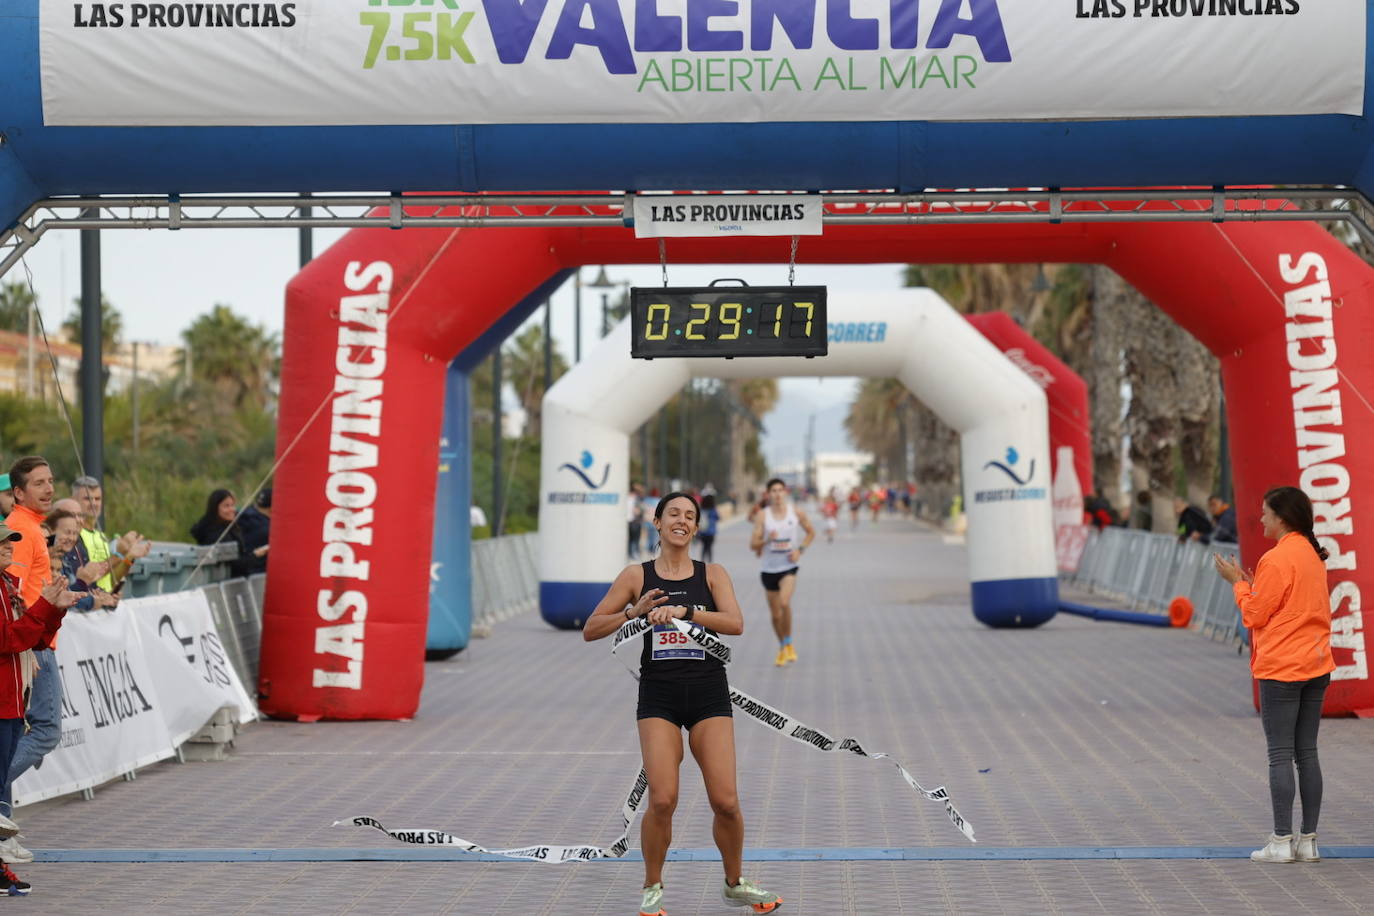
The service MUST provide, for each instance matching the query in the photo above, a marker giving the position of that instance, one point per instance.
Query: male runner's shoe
(791, 652)
(747, 893)
(782, 656)
(10, 883)
(652, 904)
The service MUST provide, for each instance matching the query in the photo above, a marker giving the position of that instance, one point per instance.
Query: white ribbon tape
(753, 709)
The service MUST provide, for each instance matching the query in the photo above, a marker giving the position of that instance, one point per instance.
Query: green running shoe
(747, 893)
(652, 905)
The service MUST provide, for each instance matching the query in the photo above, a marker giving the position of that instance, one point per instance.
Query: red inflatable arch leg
(371, 326)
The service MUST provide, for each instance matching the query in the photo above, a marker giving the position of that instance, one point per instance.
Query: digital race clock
(728, 321)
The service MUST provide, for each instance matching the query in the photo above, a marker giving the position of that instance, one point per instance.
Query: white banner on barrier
(129, 694)
(675, 61)
(112, 716)
(181, 624)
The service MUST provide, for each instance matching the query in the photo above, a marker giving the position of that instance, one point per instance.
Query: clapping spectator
(32, 488)
(95, 545)
(64, 533)
(26, 634)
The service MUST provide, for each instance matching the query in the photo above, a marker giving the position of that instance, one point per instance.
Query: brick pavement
(1076, 734)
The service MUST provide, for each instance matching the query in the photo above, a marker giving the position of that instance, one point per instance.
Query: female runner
(680, 686)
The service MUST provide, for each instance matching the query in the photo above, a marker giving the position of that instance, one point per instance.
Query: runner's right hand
(648, 601)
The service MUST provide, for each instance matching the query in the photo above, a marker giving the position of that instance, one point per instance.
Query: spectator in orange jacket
(32, 486)
(22, 629)
(1287, 605)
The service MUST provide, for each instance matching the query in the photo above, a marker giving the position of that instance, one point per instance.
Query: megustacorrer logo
(587, 461)
(1012, 457)
(1022, 490)
(585, 472)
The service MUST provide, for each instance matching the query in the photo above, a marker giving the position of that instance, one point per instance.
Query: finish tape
(753, 709)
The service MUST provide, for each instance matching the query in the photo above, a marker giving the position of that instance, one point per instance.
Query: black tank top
(668, 655)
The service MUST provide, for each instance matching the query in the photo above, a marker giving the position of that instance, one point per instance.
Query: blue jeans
(1291, 711)
(45, 722)
(10, 730)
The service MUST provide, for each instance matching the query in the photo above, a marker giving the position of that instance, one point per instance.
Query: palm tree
(111, 325)
(878, 421)
(16, 299)
(524, 363)
(238, 358)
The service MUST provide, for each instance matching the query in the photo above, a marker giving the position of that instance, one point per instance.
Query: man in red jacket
(22, 629)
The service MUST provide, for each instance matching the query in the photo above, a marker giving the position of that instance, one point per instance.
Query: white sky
(160, 280)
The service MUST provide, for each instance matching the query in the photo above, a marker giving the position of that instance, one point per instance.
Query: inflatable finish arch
(999, 411)
(1286, 307)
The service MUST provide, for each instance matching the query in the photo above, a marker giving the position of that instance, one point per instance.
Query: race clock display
(728, 321)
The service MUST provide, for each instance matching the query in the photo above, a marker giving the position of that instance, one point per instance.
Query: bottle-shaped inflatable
(1066, 491)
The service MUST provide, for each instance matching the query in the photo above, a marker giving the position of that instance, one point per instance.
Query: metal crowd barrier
(173, 567)
(1148, 570)
(505, 580)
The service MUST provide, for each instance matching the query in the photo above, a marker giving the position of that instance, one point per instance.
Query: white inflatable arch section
(910, 334)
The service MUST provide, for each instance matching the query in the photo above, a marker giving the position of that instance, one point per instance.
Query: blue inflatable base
(567, 605)
(1102, 613)
(1016, 602)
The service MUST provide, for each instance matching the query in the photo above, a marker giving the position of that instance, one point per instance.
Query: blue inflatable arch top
(38, 161)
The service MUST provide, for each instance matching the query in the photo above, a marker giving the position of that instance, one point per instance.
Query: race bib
(780, 545)
(671, 644)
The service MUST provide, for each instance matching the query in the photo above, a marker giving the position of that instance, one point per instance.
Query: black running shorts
(684, 702)
(772, 582)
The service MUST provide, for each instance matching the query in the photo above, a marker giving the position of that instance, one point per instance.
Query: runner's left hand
(665, 613)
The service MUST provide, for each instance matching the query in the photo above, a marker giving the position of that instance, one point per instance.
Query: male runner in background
(777, 538)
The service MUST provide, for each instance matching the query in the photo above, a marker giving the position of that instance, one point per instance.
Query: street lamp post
(605, 284)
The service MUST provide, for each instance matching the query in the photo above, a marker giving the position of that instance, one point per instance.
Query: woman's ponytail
(1312, 539)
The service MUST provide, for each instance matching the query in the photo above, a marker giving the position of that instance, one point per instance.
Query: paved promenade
(1107, 768)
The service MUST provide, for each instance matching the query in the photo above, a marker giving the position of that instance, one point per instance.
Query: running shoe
(791, 652)
(8, 828)
(10, 883)
(782, 656)
(652, 904)
(747, 893)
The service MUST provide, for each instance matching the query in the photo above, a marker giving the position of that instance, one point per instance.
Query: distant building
(25, 368)
(841, 470)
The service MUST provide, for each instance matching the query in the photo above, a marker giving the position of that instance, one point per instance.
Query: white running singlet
(781, 536)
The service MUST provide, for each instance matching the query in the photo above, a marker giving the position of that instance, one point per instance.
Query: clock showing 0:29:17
(727, 321)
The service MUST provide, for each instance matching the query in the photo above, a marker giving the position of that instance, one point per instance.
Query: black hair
(775, 480)
(658, 510)
(1294, 509)
(212, 504)
(708, 501)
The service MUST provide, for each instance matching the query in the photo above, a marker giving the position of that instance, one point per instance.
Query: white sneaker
(11, 853)
(1278, 849)
(8, 828)
(1305, 848)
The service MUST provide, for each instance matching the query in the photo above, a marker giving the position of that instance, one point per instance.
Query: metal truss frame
(849, 208)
